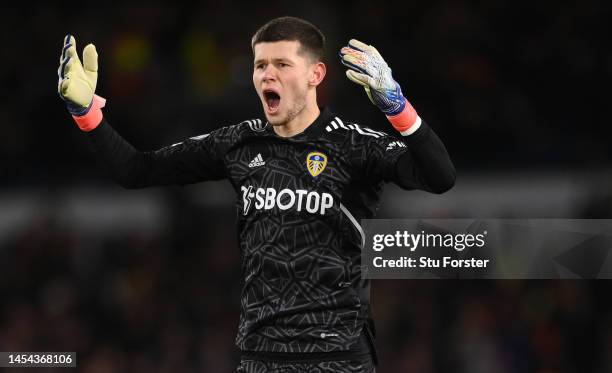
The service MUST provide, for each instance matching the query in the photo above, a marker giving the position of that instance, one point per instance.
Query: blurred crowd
(506, 85)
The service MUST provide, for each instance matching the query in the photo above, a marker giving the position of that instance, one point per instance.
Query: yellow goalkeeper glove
(77, 84)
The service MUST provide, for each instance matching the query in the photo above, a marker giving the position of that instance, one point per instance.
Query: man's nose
(269, 73)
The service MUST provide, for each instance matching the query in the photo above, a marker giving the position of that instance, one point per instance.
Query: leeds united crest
(316, 162)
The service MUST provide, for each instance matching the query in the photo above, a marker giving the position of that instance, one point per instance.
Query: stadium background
(148, 281)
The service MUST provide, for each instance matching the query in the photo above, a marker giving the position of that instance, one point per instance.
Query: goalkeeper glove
(77, 84)
(366, 67)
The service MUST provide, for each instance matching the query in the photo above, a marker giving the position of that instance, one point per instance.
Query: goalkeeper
(304, 178)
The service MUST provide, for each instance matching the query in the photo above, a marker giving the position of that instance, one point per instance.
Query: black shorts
(341, 366)
(364, 361)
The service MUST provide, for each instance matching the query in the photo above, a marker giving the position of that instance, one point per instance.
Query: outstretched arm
(193, 160)
(424, 163)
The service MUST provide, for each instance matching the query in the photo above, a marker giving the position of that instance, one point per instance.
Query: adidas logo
(395, 144)
(257, 161)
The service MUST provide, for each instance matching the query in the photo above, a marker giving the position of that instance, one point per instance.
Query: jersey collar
(317, 127)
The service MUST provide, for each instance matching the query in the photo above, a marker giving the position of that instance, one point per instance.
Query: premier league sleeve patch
(316, 162)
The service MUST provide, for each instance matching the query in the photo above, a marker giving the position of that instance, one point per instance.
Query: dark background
(148, 280)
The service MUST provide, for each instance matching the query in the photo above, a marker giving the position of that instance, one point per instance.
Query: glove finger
(70, 52)
(361, 79)
(353, 57)
(64, 54)
(356, 44)
(362, 61)
(354, 60)
(348, 51)
(354, 64)
(67, 84)
(376, 53)
(90, 58)
(61, 71)
(68, 41)
(354, 68)
(67, 69)
(69, 49)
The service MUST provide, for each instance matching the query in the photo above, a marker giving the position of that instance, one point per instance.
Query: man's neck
(299, 123)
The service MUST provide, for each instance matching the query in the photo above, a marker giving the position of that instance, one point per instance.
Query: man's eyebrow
(281, 59)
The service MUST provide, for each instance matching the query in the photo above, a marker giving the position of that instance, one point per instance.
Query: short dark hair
(311, 39)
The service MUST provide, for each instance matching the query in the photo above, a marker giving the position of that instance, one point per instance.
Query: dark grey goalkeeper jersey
(299, 205)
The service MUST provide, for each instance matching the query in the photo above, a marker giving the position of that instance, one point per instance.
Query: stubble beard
(294, 111)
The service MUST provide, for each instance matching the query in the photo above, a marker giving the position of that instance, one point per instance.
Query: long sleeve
(417, 161)
(195, 159)
(426, 164)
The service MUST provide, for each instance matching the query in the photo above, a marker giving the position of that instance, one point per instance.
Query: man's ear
(317, 74)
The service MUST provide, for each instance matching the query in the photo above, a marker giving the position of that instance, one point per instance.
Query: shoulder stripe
(375, 132)
(340, 123)
(337, 123)
(256, 124)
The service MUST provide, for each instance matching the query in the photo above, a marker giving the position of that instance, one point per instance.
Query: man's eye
(258, 67)
(283, 64)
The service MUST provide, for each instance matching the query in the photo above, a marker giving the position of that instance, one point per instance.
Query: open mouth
(272, 99)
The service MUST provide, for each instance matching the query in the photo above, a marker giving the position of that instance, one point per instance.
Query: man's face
(281, 77)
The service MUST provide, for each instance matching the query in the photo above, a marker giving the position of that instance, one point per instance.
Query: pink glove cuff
(406, 122)
(93, 117)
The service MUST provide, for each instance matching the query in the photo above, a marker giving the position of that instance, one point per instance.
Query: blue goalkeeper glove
(367, 68)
